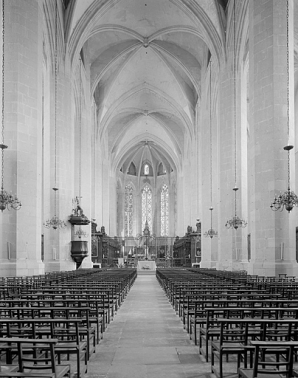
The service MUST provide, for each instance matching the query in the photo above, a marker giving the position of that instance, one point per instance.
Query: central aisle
(146, 340)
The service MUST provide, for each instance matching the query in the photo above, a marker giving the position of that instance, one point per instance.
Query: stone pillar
(58, 242)
(86, 162)
(226, 177)
(22, 160)
(172, 214)
(180, 204)
(205, 151)
(106, 196)
(120, 210)
(113, 205)
(272, 233)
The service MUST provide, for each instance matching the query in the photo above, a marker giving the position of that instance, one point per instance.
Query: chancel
(149, 149)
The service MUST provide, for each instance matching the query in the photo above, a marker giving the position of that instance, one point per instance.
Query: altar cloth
(146, 265)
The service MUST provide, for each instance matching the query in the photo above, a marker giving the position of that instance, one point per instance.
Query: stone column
(22, 160)
(86, 160)
(106, 196)
(205, 151)
(272, 233)
(226, 177)
(120, 210)
(58, 242)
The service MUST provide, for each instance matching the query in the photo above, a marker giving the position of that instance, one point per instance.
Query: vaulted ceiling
(146, 59)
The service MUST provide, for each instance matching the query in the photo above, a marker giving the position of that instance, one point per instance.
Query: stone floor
(146, 339)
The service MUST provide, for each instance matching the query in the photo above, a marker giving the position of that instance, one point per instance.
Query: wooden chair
(70, 343)
(209, 330)
(40, 363)
(233, 340)
(266, 367)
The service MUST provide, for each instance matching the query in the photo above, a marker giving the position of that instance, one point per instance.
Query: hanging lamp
(211, 232)
(55, 222)
(235, 222)
(7, 200)
(288, 199)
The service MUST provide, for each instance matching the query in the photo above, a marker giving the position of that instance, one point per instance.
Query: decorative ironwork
(7, 200)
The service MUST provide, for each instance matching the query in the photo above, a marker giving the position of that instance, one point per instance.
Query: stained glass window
(128, 210)
(164, 211)
(147, 207)
(146, 169)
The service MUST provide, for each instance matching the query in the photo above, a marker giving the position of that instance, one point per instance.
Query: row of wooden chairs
(74, 312)
(228, 313)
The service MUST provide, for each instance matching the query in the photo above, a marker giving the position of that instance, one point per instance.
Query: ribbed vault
(146, 60)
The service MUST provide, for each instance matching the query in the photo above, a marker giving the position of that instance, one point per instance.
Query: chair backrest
(266, 359)
(38, 356)
(33, 354)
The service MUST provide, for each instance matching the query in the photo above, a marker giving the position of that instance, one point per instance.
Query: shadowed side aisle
(147, 340)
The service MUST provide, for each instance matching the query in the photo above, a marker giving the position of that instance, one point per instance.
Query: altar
(146, 265)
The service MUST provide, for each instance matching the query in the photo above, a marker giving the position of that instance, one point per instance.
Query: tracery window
(147, 207)
(164, 211)
(128, 210)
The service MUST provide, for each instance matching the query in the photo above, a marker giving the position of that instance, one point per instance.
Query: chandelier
(235, 222)
(288, 199)
(55, 222)
(80, 233)
(7, 200)
(211, 232)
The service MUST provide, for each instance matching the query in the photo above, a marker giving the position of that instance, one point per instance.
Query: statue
(77, 210)
(78, 217)
(189, 229)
